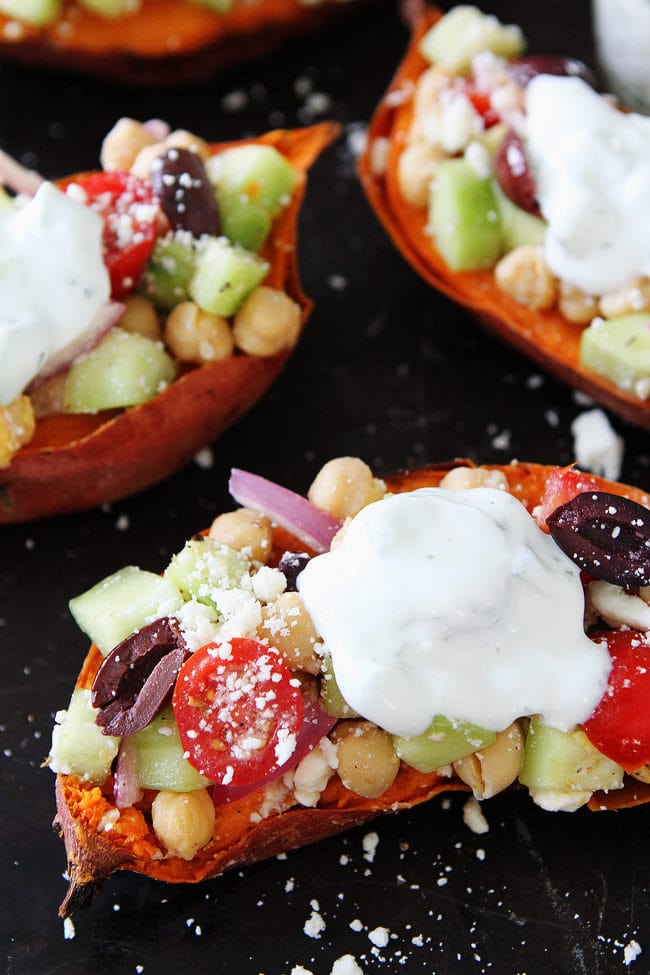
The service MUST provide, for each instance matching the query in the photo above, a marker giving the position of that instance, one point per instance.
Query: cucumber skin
(464, 217)
(452, 740)
(225, 276)
(166, 278)
(561, 761)
(159, 757)
(623, 358)
(78, 745)
(464, 32)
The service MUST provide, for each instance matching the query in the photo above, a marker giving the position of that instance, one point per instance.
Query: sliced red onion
(103, 321)
(17, 177)
(303, 519)
(157, 129)
(126, 788)
(316, 725)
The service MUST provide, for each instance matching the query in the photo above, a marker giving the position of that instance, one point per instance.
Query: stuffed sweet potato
(175, 242)
(154, 42)
(510, 185)
(229, 709)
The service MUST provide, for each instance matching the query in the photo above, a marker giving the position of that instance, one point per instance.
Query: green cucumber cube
(123, 370)
(518, 226)
(204, 567)
(332, 700)
(619, 350)
(562, 761)
(245, 223)
(78, 745)
(465, 31)
(168, 273)
(464, 217)
(110, 8)
(38, 13)
(122, 603)
(159, 757)
(444, 742)
(225, 276)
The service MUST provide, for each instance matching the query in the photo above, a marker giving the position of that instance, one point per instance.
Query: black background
(392, 372)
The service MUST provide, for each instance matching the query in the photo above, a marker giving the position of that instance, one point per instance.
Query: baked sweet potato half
(271, 741)
(59, 453)
(158, 42)
(455, 171)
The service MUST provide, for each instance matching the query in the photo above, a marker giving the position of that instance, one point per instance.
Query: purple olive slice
(514, 175)
(605, 535)
(524, 69)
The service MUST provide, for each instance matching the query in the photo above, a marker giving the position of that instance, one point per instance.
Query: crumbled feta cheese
(68, 929)
(312, 774)
(370, 843)
(631, 952)
(314, 925)
(379, 937)
(346, 965)
(596, 446)
(555, 801)
(473, 816)
(268, 583)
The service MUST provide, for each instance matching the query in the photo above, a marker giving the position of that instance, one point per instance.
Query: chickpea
(140, 316)
(181, 139)
(429, 87)
(183, 821)
(416, 168)
(246, 530)
(576, 305)
(524, 276)
(492, 769)
(465, 478)
(267, 322)
(290, 630)
(141, 165)
(193, 335)
(123, 143)
(344, 486)
(17, 427)
(632, 297)
(367, 763)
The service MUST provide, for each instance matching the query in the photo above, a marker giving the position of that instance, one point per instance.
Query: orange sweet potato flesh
(544, 336)
(167, 41)
(132, 845)
(77, 462)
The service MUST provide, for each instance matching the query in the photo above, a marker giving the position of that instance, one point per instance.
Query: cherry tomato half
(239, 711)
(620, 725)
(563, 484)
(132, 222)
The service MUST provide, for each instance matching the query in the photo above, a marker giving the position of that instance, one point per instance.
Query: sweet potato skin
(543, 336)
(93, 856)
(168, 41)
(77, 462)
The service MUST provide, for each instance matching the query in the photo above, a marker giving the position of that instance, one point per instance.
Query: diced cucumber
(464, 217)
(443, 742)
(561, 761)
(518, 226)
(78, 745)
(465, 31)
(222, 6)
(166, 278)
(253, 183)
(332, 700)
(123, 370)
(225, 276)
(203, 567)
(122, 603)
(619, 350)
(493, 137)
(159, 757)
(111, 8)
(35, 12)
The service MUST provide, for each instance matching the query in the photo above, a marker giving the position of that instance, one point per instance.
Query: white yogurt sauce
(52, 282)
(591, 164)
(454, 603)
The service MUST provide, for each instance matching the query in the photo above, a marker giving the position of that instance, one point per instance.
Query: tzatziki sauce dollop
(591, 165)
(454, 603)
(53, 281)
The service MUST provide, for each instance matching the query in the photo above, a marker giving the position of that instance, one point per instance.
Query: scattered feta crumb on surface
(596, 445)
(473, 816)
(234, 101)
(123, 523)
(370, 843)
(300, 970)
(356, 925)
(68, 929)
(379, 937)
(314, 925)
(631, 952)
(480, 854)
(346, 965)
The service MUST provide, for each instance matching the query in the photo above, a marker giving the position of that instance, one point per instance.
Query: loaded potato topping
(523, 168)
(121, 280)
(305, 645)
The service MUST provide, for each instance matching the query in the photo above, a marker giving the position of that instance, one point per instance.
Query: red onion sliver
(303, 519)
(103, 321)
(126, 789)
(18, 178)
(316, 725)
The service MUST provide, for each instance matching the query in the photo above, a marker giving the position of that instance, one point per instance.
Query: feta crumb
(299, 970)
(596, 445)
(556, 801)
(356, 925)
(631, 952)
(379, 937)
(68, 929)
(370, 843)
(204, 459)
(479, 159)
(346, 965)
(473, 816)
(268, 583)
(314, 925)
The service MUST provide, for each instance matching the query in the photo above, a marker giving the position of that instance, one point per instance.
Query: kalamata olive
(514, 175)
(185, 193)
(526, 68)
